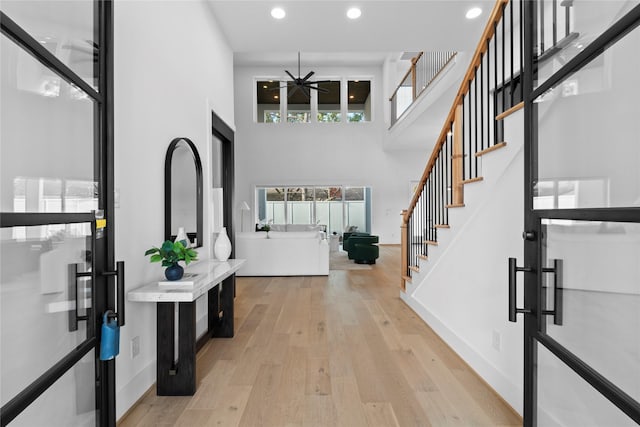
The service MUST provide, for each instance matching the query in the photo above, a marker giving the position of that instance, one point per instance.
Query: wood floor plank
(342, 350)
(380, 414)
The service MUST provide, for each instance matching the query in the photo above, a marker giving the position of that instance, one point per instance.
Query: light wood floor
(341, 350)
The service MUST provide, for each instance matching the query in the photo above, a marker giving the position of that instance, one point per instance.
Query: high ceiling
(325, 36)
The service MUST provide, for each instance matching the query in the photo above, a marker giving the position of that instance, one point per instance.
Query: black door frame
(534, 321)
(103, 284)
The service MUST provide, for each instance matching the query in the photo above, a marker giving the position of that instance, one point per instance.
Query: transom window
(338, 100)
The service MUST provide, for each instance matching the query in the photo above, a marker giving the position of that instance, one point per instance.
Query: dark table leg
(221, 309)
(176, 378)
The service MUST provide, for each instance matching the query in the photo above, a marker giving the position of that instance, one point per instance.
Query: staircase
(460, 225)
(474, 128)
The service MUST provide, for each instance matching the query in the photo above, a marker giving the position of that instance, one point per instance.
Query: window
(359, 101)
(334, 207)
(329, 102)
(298, 104)
(268, 101)
(280, 101)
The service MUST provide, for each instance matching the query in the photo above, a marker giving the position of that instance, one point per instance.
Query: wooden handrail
(487, 34)
(409, 71)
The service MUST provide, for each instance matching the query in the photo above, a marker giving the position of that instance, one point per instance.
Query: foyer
(341, 350)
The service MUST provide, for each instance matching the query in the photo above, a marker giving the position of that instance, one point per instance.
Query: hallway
(341, 350)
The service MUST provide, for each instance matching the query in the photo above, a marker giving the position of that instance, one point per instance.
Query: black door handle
(119, 273)
(74, 316)
(557, 292)
(513, 269)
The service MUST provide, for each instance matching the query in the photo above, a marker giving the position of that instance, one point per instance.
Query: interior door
(582, 237)
(56, 246)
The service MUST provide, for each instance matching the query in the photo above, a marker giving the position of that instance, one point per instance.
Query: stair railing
(490, 90)
(424, 69)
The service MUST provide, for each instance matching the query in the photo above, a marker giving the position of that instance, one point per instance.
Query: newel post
(458, 159)
(404, 261)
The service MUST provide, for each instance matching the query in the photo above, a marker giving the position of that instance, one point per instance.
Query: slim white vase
(222, 247)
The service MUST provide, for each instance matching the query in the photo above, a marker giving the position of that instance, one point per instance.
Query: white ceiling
(324, 35)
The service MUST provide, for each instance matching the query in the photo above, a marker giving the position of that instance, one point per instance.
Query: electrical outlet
(135, 346)
(495, 340)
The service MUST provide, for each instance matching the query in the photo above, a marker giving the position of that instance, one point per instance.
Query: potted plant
(170, 253)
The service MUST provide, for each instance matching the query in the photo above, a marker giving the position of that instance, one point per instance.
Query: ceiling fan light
(354, 13)
(278, 13)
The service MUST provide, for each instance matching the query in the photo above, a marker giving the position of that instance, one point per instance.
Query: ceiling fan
(303, 84)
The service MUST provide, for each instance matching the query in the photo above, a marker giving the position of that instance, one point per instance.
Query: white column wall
(172, 67)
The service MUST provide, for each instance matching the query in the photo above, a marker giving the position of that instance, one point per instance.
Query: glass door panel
(600, 295)
(40, 300)
(565, 399)
(69, 402)
(65, 28)
(588, 127)
(566, 28)
(51, 123)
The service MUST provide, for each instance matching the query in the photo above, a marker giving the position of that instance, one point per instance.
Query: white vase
(222, 247)
(182, 235)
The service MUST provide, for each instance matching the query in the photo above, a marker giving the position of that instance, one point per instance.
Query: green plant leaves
(172, 252)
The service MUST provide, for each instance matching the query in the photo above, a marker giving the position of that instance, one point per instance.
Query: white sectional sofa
(283, 253)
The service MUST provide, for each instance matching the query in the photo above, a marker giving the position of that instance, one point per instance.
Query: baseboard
(130, 394)
(504, 388)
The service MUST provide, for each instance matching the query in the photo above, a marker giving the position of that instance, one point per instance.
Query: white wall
(462, 289)
(324, 153)
(172, 67)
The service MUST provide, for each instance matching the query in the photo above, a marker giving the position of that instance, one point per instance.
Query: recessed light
(264, 86)
(351, 96)
(278, 13)
(354, 13)
(275, 96)
(473, 13)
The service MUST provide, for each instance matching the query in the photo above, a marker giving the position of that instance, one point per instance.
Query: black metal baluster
(472, 158)
(521, 50)
(495, 84)
(504, 61)
(442, 187)
(541, 28)
(511, 83)
(465, 124)
(470, 134)
(447, 168)
(567, 19)
(555, 22)
(481, 105)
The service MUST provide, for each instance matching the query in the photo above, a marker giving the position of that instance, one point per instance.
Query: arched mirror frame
(167, 190)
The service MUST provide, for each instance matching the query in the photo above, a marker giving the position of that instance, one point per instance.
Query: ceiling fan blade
(320, 81)
(290, 75)
(305, 78)
(295, 88)
(319, 89)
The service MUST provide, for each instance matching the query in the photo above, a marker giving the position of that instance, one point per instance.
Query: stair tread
(472, 180)
(459, 205)
(442, 226)
(424, 257)
(430, 242)
(490, 149)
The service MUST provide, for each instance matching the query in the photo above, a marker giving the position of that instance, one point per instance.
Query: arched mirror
(183, 191)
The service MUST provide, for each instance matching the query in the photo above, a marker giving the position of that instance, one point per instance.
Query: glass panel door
(54, 176)
(582, 219)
